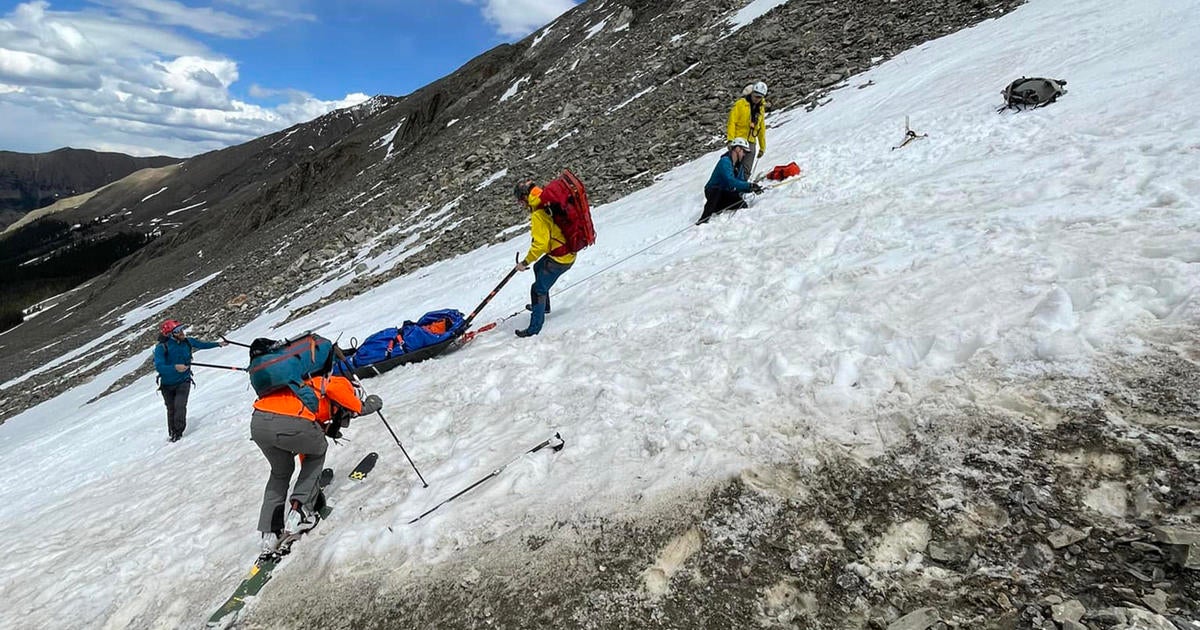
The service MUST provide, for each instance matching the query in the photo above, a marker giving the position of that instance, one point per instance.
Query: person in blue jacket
(727, 183)
(173, 360)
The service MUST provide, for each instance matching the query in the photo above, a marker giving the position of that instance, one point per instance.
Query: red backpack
(568, 203)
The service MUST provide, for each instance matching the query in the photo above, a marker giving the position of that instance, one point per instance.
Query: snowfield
(1002, 243)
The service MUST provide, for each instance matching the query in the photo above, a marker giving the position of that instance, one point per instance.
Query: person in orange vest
(283, 427)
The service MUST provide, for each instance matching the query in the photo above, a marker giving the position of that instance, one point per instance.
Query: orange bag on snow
(780, 173)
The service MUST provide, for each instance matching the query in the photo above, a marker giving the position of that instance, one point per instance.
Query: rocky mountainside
(619, 91)
(29, 181)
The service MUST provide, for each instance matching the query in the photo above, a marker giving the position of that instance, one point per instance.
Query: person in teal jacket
(727, 183)
(173, 360)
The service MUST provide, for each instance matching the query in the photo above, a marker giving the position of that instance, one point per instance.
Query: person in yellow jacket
(748, 119)
(546, 238)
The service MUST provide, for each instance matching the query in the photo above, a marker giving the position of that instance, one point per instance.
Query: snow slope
(1001, 243)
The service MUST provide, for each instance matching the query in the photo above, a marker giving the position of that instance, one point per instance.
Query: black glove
(372, 404)
(756, 189)
(333, 430)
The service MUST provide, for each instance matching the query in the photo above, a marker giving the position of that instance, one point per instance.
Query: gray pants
(175, 398)
(747, 164)
(281, 438)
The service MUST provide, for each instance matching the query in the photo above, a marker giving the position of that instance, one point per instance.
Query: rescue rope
(471, 334)
(621, 260)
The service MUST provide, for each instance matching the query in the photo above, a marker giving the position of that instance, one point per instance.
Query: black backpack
(1032, 92)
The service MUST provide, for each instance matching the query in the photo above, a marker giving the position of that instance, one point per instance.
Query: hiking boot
(299, 519)
(529, 307)
(269, 543)
(174, 437)
(524, 333)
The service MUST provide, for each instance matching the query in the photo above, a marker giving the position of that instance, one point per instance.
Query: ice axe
(909, 135)
(511, 272)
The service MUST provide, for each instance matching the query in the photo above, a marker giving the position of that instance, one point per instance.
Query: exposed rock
(1066, 536)
(1156, 600)
(830, 79)
(1071, 610)
(1185, 544)
(1107, 616)
(1037, 557)
(920, 619)
(949, 551)
(1137, 619)
(470, 577)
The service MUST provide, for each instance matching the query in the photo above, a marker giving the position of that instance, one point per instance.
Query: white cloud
(26, 68)
(289, 9)
(199, 19)
(518, 18)
(124, 76)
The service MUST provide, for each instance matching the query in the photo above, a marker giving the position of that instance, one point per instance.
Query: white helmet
(739, 142)
(759, 88)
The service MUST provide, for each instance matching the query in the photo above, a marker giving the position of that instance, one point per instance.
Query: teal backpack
(275, 365)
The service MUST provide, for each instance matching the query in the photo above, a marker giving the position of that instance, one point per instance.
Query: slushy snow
(998, 244)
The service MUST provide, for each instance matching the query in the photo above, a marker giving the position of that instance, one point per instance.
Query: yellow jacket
(739, 124)
(544, 233)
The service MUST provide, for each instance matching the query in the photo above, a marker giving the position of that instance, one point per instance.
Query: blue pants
(545, 273)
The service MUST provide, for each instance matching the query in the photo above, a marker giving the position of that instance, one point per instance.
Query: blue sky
(181, 77)
(370, 47)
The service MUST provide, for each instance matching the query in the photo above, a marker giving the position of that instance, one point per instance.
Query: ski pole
(220, 367)
(402, 449)
(555, 443)
(467, 322)
(358, 383)
(234, 343)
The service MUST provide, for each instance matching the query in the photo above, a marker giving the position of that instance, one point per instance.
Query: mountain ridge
(29, 181)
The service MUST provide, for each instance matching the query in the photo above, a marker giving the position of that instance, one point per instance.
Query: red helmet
(168, 327)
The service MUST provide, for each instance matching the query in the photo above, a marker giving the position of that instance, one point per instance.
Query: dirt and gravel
(1029, 500)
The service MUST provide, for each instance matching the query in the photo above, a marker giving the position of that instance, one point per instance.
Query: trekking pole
(402, 450)
(220, 367)
(467, 322)
(358, 383)
(234, 343)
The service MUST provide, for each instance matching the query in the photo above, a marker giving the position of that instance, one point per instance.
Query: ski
(263, 567)
(555, 443)
(364, 467)
(471, 334)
